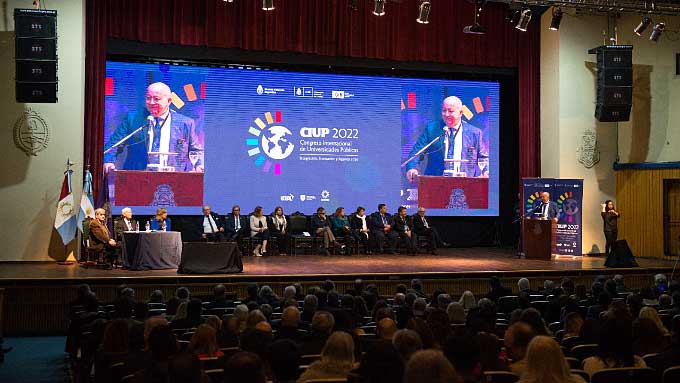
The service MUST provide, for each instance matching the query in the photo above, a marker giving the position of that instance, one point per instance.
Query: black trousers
(364, 238)
(410, 243)
(379, 238)
(610, 237)
(433, 237)
(283, 241)
(213, 237)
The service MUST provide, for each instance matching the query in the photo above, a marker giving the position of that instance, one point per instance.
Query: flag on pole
(86, 201)
(65, 222)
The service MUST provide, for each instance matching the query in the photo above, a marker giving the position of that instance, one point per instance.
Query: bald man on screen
(164, 131)
(458, 140)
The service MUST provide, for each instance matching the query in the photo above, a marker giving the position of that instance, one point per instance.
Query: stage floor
(449, 263)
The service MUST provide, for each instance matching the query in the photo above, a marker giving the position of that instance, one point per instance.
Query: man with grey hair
(124, 223)
(289, 292)
(547, 209)
(162, 131)
(211, 225)
(290, 321)
(458, 140)
(309, 307)
(241, 312)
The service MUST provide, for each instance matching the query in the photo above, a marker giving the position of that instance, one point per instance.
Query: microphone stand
(520, 243)
(421, 150)
(117, 144)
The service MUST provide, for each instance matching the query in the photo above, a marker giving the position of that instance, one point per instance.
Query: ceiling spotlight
(642, 26)
(657, 31)
(424, 12)
(524, 19)
(379, 7)
(228, 1)
(476, 28)
(352, 4)
(267, 5)
(556, 19)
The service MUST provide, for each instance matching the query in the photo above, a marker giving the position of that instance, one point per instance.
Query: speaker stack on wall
(614, 82)
(36, 55)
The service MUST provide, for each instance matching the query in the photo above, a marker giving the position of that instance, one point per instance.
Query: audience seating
(581, 373)
(583, 351)
(500, 377)
(624, 375)
(671, 375)
(574, 363)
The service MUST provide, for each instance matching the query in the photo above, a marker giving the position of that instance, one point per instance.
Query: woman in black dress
(610, 218)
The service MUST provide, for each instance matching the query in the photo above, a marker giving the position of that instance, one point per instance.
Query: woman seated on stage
(259, 230)
(341, 227)
(321, 227)
(278, 227)
(161, 222)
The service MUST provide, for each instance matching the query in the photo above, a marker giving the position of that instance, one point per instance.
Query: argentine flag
(65, 222)
(86, 201)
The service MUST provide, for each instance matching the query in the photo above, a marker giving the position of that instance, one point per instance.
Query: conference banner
(568, 194)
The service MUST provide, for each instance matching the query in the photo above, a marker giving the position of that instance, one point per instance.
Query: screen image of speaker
(614, 82)
(36, 55)
(621, 256)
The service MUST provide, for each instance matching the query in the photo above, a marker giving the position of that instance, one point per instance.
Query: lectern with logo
(539, 238)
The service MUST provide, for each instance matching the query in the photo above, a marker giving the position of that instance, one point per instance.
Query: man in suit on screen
(164, 131)
(458, 140)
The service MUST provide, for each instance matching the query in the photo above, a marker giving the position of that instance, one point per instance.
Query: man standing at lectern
(163, 131)
(547, 209)
(458, 140)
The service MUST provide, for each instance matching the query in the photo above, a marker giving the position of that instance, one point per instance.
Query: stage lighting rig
(379, 7)
(657, 31)
(556, 19)
(476, 28)
(644, 23)
(267, 5)
(424, 12)
(524, 20)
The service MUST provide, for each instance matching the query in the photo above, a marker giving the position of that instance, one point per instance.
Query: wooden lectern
(539, 238)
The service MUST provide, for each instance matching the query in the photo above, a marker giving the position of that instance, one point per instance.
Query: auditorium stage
(450, 263)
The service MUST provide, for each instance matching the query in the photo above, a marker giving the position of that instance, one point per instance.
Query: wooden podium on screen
(539, 238)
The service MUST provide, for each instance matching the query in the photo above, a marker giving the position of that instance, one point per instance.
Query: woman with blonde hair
(337, 359)
(467, 300)
(546, 364)
(650, 313)
(204, 342)
(161, 222)
(456, 313)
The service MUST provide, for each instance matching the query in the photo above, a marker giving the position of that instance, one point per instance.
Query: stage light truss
(667, 7)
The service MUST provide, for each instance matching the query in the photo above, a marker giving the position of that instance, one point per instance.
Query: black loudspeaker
(621, 256)
(614, 82)
(36, 55)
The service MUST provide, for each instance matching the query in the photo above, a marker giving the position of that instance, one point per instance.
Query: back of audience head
(283, 359)
(517, 339)
(255, 317)
(156, 297)
(533, 318)
(429, 366)
(244, 367)
(185, 368)
(467, 300)
(407, 342)
(523, 284)
(651, 314)
(116, 338)
(573, 323)
(182, 293)
(456, 313)
(339, 349)
(386, 328)
(464, 354)
(267, 310)
(382, 365)
(323, 322)
(616, 342)
(204, 341)
(545, 362)
(289, 292)
(162, 343)
(290, 317)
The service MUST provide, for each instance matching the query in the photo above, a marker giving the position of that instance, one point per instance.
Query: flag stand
(66, 262)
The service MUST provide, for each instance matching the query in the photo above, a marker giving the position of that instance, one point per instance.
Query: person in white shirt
(259, 230)
(422, 226)
(124, 223)
(211, 226)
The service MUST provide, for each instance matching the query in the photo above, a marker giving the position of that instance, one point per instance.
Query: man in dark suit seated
(290, 326)
(380, 224)
(100, 238)
(404, 228)
(236, 226)
(211, 226)
(359, 224)
(423, 227)
(219, 298)
(124, 223)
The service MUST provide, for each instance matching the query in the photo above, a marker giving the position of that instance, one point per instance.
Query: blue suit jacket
(553, 210)
(133, 152)
(155, 225)
(473, 149)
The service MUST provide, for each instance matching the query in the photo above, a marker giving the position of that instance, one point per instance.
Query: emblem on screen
(271, 142)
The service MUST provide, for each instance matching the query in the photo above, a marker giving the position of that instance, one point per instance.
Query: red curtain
(322, 27)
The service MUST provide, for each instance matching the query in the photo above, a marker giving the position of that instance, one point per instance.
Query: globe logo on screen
(269, 142)
(276, 142)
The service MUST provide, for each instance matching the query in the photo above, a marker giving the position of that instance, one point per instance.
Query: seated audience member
(321, 227)
(236, 226)
(241, 313)
(651, 314)
(517, 339)
(533, 318)
(660, 285)
(423, 227)
(162, 346)
(429, 366)
(382, 365)
(219, 298)
(204, 342)
(244, 367)
(648, 338)
(456, 313)
(290, 321)
(211, 226)
(546, 364)
(181, 295)
(257, 338)
(403, 226)
(665, 302)
(615, 347)
(464, 354)
(259, 229)
(278, 228)
(572, 329)
(525, 287)
(337, 359)
(497, 289)
(156, 297)
(193, 315)
(490, 355)
(671, 356)
(283, 357)
(100, 238)
(648, 297)
(385, 329)
(309, 307)
(124, 223)
(341, 228)
(114, 348)
(467, 300)
(230, 332)
(406, 342)
(362, 233)
(161, 222)
(603, 302)
(417, 288)
(266, 296)
(322, 326)
(381, 225)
